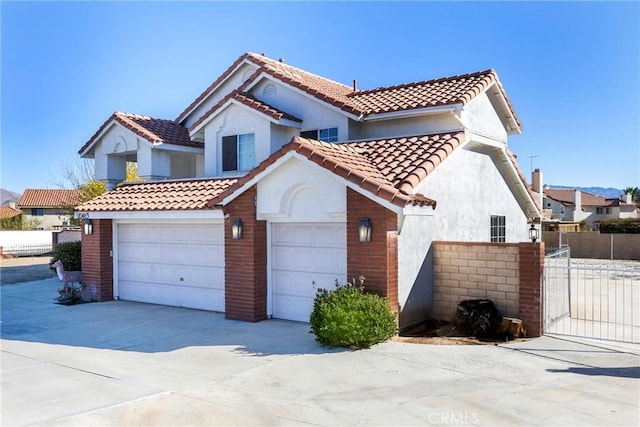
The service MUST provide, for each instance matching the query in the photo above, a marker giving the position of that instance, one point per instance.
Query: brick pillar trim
(531, 259)
(377, 260)
(97, 262)
(245, 263)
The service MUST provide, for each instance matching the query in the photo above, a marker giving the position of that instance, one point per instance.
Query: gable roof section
(458, 89)
(9, 212)
(43, 198)
(251, 102)
(387, 168)
(156, 131)
(308, 82)
(158, 196)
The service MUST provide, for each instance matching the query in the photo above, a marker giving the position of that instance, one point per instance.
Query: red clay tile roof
(250, 101)
(565, 196)
(156, 131)
(311, 83)
(389, 168)
(8, 212)
(50, 198)
(430, 93)
(158, 196)
(459, 89)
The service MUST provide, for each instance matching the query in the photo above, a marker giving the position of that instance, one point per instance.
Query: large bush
(622, 225)
(70, 253)
(349, 317)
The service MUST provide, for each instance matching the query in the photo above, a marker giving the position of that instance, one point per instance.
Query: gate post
(530, 298)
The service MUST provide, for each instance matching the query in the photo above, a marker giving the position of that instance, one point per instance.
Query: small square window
(498, 228)
(37, 212)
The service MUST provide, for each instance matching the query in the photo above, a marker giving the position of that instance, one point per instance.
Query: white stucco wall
(232, 82)
(234, 120)
(281, 135)
(313, 113)
(52, 217)
(480, 116)
(468, 189)
(403, 127)
(300, 192)
(111, 153)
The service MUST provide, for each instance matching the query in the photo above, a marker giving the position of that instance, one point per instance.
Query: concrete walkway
(122, 363)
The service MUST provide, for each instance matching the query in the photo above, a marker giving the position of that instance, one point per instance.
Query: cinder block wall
(595, 245)
(510, 274)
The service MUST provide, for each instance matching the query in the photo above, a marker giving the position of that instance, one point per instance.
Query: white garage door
(305, 257)
(172, 264)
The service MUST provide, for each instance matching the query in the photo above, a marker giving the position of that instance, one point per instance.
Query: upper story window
(326, 135)
(37, 211)
(598, 211)
(498, 228)
(238, 152)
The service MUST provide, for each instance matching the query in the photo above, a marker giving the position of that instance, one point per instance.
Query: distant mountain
(7, 197)
(607, 193)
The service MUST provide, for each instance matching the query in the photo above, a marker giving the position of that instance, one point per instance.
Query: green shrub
(70, 253)
(622, 225)
(349, 317)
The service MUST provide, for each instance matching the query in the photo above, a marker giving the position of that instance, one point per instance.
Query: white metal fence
(592, 298)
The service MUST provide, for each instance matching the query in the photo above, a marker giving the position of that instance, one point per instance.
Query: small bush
(70, 253)
(349, 317)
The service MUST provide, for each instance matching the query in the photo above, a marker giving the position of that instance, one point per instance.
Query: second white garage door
(305, 257)
(172, 264)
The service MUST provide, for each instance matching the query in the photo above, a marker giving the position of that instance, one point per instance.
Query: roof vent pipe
(281, 60)
(355, 85)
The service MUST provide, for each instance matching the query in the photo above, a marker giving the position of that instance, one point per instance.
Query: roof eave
(438, 109)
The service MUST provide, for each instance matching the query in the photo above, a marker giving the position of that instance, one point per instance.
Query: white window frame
(498, 229)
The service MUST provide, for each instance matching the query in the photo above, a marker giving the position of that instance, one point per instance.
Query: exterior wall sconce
(534, 233)
(88, 226)
(364, 230)
(237, 229)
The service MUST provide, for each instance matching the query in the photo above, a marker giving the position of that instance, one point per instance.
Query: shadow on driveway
(625, 372)
(29, 314)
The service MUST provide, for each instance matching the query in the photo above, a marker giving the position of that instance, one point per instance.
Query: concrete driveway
(122, 363)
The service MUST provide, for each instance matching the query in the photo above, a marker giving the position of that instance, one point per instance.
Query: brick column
(531, 256)
(377, 260)
(97, 262)
(245, 265)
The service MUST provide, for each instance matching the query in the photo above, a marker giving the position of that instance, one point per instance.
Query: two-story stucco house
(575, 205)
(48, 209)
(275, 182)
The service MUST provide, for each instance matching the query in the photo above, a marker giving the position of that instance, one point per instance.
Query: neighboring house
(276, 182)
(575, 205)
(49, 209)
(564, 209)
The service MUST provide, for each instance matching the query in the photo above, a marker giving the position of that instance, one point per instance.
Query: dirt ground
(24, 269)
(444, 333)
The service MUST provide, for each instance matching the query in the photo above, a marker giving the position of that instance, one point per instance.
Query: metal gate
(591, 298)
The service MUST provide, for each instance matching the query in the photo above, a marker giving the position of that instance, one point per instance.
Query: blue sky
(571, 70)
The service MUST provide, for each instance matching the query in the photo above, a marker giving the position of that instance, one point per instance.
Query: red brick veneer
(97, 261)
(245, 262)
(377, 260)
(530, 295)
